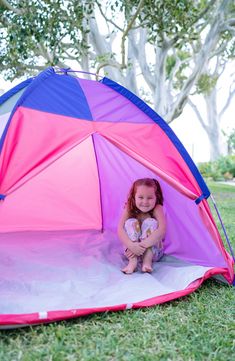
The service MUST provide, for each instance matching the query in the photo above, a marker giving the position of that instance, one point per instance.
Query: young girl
(142, 224)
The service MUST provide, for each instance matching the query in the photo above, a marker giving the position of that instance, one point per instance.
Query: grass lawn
(200, 326)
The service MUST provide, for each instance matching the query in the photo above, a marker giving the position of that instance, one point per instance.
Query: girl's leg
(131, 266)
(147, 261)
(132, 228)
(148, 226)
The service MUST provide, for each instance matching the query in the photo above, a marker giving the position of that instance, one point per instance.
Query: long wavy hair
(149, 182)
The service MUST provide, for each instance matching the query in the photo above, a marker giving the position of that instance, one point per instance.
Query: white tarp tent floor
(49, 271)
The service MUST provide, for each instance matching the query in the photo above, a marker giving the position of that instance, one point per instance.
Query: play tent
(70, 149)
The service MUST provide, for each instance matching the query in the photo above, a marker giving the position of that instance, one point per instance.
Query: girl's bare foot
(147, 261)
(147, 268)
(131, 267)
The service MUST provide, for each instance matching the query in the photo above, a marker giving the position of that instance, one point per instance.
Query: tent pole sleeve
(98, 172)
(203, 196)
(223, 227)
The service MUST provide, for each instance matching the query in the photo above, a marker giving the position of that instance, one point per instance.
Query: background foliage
(221, 169)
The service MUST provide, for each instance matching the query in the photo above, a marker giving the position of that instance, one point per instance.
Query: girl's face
(145, 198)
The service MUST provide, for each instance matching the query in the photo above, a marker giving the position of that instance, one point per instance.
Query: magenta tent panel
(107, 105)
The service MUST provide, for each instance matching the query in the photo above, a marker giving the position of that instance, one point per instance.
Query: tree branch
(219, 50)
(230, 22)
(8, 6)
(107, 19)
(69, 56)
(230, 29)
(101, 46)
(229, 99)
(45, 53)
(128, 28)
(21, 66)
(4, 21)
(203, 55)
(193, 106)
(177, 66)
(140, 55)
(107, 63)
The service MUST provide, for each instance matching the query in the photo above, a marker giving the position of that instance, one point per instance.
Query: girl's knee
(150, 222)
(131, 220)
(148, 226)
(132, 228)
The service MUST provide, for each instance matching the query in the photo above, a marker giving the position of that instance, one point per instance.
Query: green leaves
(170, 18)
(206, 83)
(37, 28)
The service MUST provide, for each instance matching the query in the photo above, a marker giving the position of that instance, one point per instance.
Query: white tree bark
(213, 120)
(213, 127)
(160, 91)
(103, 48)
(131, 76)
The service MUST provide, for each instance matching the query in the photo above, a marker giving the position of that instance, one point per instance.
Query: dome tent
(70, 150)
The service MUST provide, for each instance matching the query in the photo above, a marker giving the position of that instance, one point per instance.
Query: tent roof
(68, 96)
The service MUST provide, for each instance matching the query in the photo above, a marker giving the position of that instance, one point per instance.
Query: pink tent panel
(44, 134)
(59, 196)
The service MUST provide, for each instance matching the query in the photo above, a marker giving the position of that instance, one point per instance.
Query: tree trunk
(213, 126)
(160, 91)
(215, 145)
(130, 79)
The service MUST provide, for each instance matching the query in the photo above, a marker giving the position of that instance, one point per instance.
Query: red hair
(148, 182)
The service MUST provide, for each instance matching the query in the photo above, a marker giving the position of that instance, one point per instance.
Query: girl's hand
(145, 242)
(129, 254)
(137, 248)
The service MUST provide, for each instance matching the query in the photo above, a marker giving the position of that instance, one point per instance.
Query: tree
(230, 137)
(207, 87)
(164, 44)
